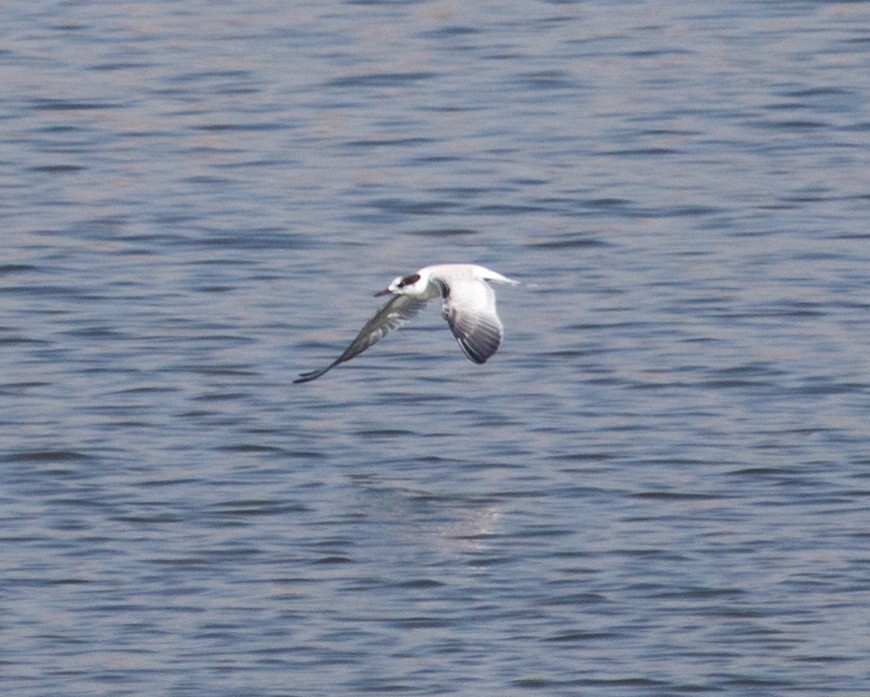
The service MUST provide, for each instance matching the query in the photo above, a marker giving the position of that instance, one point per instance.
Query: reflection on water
(423, 518)
(658, 485)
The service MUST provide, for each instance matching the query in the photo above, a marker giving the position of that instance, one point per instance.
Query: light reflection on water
(658, 485)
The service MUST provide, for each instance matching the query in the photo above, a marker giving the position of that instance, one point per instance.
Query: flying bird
(467, 303)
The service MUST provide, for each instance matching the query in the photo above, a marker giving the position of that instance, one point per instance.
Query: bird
(467, 303)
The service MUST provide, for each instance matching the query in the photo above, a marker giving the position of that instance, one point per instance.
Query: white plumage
(468, 305)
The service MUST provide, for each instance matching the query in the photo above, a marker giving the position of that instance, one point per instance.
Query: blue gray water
(659, 486)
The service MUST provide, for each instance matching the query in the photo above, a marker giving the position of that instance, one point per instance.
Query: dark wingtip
(308, 377)
(477, 354)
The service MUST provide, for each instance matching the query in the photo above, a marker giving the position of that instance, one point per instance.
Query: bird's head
(406, 285)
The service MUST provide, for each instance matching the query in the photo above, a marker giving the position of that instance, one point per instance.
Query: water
(658, 486)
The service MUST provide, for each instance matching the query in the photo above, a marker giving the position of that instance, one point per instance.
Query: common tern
(468, 305)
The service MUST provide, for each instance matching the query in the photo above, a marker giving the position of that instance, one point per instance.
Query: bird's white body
(426, 286)
(468, 305)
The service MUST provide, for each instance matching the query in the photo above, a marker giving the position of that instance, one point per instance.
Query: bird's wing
(398, 310)
(468, 305)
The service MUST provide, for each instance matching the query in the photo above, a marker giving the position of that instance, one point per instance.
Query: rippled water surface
(658, 486)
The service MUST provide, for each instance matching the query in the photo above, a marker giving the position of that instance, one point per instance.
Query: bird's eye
(409, 280)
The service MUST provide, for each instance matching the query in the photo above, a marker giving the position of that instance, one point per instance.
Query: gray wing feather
(469, 308)
(398, 310)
